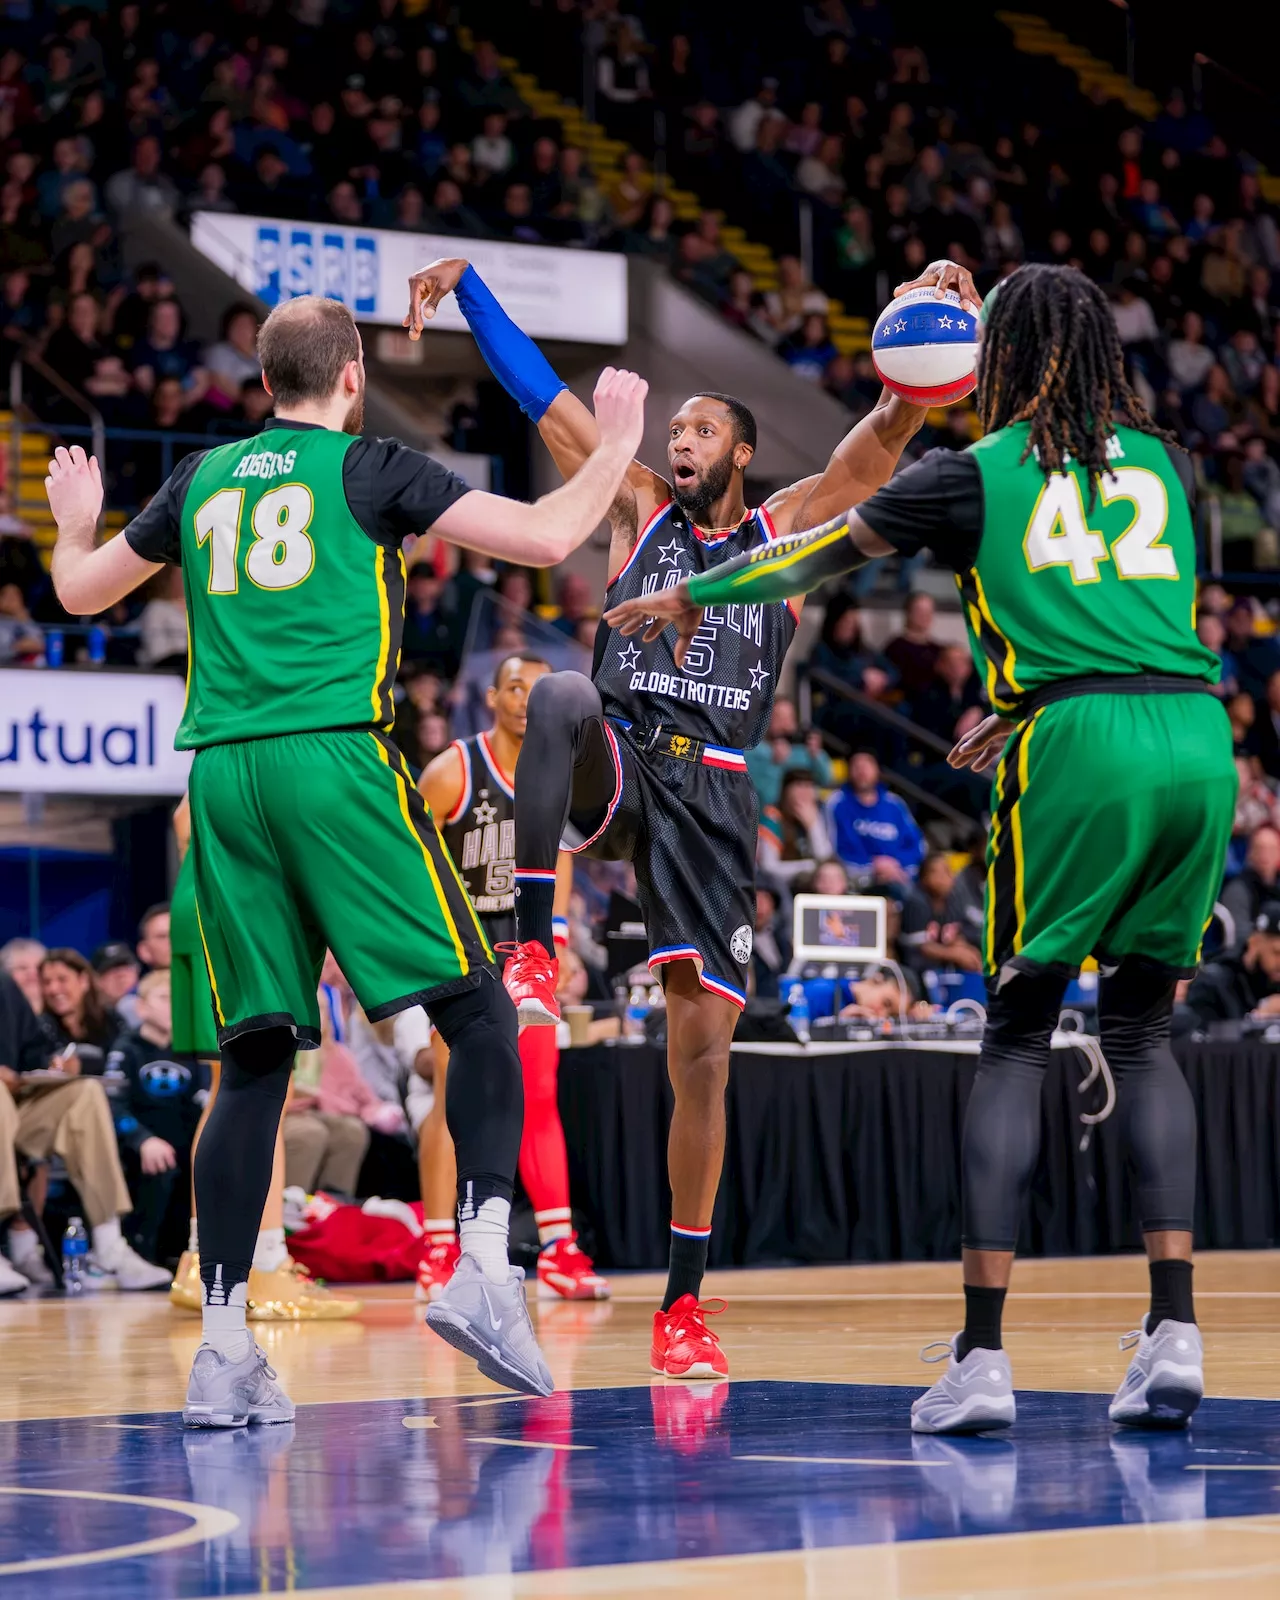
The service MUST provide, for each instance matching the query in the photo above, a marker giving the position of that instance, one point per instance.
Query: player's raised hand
(428, 288)
(982, 746)
(656, 612)
(74, 487)
(619, 405)
(944, 275)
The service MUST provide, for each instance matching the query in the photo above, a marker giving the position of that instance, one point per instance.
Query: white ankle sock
(553, 1225)
(483, 1233)
(269, 1252)
(193, 1239)
(107, 1240)
(23, 1244)
(440, 1230)
(223, 1322)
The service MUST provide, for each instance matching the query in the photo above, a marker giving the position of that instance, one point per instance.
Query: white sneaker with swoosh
(972, 1396)
(490, 1323)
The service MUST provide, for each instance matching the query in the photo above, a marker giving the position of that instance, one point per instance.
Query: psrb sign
(291, 261)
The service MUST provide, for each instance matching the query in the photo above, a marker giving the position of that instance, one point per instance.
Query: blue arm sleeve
(513, 358)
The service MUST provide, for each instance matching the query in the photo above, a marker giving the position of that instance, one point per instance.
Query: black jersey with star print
(724, 692)
(480, 834)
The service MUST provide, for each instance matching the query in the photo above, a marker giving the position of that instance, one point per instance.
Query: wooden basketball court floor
(407, 1474)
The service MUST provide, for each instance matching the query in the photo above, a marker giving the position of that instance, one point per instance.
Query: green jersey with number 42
(1060, 588)
(295, 614)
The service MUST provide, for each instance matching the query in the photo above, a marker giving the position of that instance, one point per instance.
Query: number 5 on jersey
(1059, 534)
(281, 554)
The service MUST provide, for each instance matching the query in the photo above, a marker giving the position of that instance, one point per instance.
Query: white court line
(848, 1461)
(526, 1444)
(418, 1422)
(1273, 1468)
(207, 1522)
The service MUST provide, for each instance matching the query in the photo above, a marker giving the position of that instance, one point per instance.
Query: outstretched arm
(544, 533)
(87, 577)
(866, 457)
(566, 426)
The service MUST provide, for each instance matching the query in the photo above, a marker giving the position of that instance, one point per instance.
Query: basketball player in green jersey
(1069, 529)
(307, 830)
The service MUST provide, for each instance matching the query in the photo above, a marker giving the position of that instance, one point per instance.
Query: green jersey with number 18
(1061, 588)
(295, 614)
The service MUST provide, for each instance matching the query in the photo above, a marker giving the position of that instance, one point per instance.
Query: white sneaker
(11, 1280)
(33, 1267)
(130, 1271)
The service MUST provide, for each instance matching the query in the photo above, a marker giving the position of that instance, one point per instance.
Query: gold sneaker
(289, 1294)
(186, 1292)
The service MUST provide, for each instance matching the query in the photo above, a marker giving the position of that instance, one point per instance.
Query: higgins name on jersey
(723, 693)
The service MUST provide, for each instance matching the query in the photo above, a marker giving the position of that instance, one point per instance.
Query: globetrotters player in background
(470, 788)
(644, 761)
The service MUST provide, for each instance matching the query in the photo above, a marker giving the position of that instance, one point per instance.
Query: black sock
(688, 1263)
(235, 1154)
(535, 895)
(1170, 1293)
(982, 1310)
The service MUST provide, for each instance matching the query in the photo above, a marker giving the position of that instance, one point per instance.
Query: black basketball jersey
(480, 833)
(724, 692)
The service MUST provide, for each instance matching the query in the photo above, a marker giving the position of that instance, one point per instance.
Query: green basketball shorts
(315, 841)
(1111, 816)
(195, 1032)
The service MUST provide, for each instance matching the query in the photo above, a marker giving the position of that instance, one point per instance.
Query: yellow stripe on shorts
(208, 967)
(402, 778)
(1015, 826)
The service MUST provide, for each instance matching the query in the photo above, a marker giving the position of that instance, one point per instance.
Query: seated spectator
(163, 624)
(1266, 731)
(69, 1117)
(429, 638)
(116, 972)
(165, 353)
(856, 257)
(1236, 987)
(819, 174)
(21, 641)
(75, 351)
(630, 192)
(914, 652)
(842, 654)
(210, 192)
(945, 707)
(930, 937)
(491, 150)
(743, 305)
(875, 834)
(20, 563)
(782, 750)
(575, 597)
(1246, 894)
(142, 186)
(449, 216)
(1211, 630)
(622, 82)
(771, 946)
(80, 1025)
(794, 299)
(810, 352)
(155, 1101)
(233, 360)
(793, 834)
(1243, 360)
(515, 220)
(828, 877)
(879, 997)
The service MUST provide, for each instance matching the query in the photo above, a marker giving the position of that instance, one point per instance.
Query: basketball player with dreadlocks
(644, 761)
(1069, 529)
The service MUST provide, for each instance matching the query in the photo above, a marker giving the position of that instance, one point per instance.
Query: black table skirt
(856, 1156)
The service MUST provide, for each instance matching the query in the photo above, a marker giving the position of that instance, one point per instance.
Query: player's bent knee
(563, 697)
(1135, 1010)
(486, 1005)
(1022, 1014)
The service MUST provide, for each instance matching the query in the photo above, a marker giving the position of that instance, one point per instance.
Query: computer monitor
(841, 928)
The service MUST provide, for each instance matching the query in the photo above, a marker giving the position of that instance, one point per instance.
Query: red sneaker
(530, 976)
(435, 1268)
(565, 1272)
(683, 1346)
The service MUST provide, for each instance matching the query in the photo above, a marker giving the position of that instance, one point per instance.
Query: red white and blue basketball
(926, 349)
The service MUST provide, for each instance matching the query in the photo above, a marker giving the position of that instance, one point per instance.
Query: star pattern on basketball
(669, 553)
(758, 675)
(962, 324)
(629, 657)
(484, 813)
(944, 322)
(899, 325)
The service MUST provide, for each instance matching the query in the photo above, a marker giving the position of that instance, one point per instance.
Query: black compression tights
(236, 1151)
(1154, 1107)
(484, 1092)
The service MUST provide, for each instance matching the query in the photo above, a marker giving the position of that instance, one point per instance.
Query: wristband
(513, 358)
(789, 566)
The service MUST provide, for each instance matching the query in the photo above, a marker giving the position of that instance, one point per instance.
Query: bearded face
(696, 489)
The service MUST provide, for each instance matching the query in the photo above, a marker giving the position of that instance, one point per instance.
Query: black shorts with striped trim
(685, 814)
(314, 841)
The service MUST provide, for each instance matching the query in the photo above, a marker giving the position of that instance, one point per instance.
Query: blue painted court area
(356, 1493)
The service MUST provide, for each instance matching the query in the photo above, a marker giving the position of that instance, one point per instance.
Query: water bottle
(53, 647)
(798, 1012)
(97, 645)
(75, 1249)
(637, 1011)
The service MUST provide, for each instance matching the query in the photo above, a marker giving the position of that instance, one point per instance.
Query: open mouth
(684, 473)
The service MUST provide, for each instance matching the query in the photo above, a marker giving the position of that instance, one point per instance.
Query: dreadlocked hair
(1052, 357)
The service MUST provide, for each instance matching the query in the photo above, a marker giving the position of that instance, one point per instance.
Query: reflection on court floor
(398, 1490)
